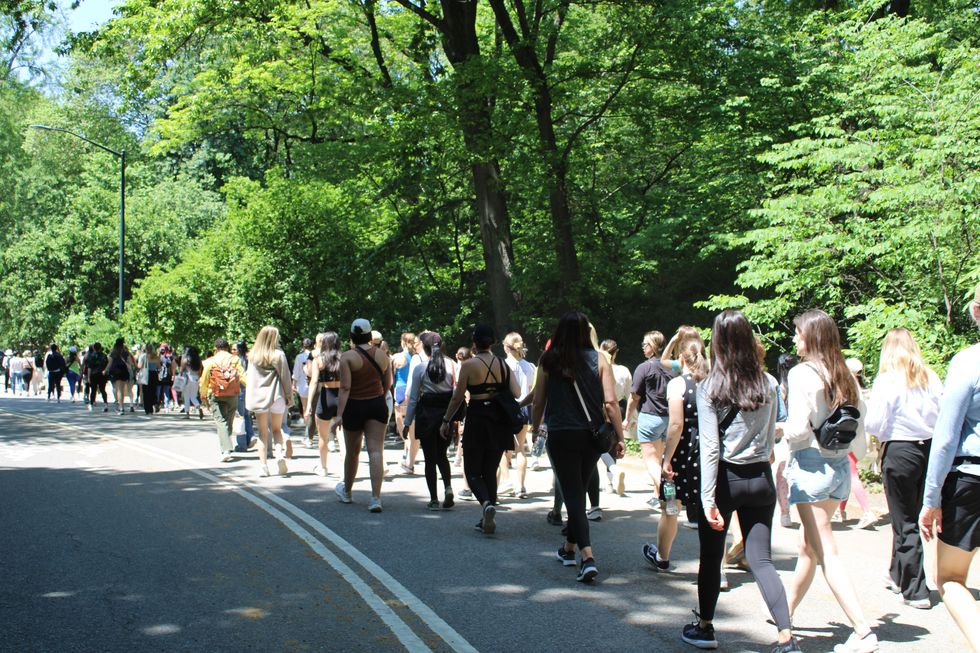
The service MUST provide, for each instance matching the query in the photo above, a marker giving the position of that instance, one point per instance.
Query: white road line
(401, 630)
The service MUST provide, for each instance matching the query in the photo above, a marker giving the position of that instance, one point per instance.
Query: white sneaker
(856, 644)
(308, 443)
(375, 505)
(594, 514)
(283, 470)
(332, 447)
(319, 470)
(507, 489)
(723, 585)
(535, 465)
(263, 470)
(341, 491)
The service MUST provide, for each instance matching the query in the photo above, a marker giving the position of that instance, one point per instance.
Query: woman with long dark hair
(324, 392)
(575, 387)
(486, 434)
(432, 390)
(191, 367)
(820, 479)
(737, 408)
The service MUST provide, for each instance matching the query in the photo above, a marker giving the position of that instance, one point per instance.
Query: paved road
(123, 533)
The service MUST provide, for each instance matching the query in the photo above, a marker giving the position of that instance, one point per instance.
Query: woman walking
(240, 349)
(324, 392)
(575, 388)
(148, 367)
(487, 434)
(820, 479)
(737, 407)
(118, 374)
(951, 506)
(191, 367)
(365, 379)
(432, 390)
(56, 366)
(95, 367)
(270, 394)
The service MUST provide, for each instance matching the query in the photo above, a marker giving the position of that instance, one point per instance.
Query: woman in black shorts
(324, 394)
(365, 377)
(951, 506)
(486, 435)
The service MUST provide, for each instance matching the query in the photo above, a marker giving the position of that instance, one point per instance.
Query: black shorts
(326, 406)
(961, 511)
(359, 411)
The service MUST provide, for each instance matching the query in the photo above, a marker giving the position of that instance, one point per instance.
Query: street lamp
(122, 196)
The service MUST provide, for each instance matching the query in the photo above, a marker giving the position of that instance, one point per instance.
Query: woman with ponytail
(432, 388)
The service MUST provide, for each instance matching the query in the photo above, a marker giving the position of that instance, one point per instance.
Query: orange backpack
(223, 379)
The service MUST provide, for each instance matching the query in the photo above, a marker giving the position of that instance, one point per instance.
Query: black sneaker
(792, 646)
(702, 636)
(448, 502)
(554, 518)
(489, 525)
(567, 558)
(650, 553)
(587, 572)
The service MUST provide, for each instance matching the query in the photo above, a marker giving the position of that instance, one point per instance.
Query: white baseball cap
(360, 325)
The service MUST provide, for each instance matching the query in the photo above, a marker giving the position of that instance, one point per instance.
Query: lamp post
(122, 197)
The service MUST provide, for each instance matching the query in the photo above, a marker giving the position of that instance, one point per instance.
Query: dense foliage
(435, 164)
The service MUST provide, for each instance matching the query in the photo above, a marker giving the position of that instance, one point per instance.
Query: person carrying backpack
(221, 380)
(95, 365)
(826, 413)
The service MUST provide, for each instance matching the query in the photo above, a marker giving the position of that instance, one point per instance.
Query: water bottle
(539, 443)
(670, 493)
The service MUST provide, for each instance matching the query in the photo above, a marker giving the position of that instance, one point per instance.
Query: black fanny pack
(966, 460)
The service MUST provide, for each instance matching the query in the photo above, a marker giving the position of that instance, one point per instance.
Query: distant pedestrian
(191, 367)
(118, 373)
(270, 394)
(73, 373)
(240, 351)
(94, 367)
(148, 375)
(56, 366)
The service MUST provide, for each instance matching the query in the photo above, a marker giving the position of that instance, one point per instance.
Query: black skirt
(961, 511)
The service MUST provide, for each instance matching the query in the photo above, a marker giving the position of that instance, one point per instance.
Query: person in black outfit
(575, 386)
(56, 366)
(96, 363)
(487, 434)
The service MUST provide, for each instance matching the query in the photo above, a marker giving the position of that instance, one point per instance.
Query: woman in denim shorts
(820, 479)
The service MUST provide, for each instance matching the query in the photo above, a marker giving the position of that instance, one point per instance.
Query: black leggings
(150, 393)
(96, 385)
(749, 491)
(54, 384)
(574, 461)
(434, 448)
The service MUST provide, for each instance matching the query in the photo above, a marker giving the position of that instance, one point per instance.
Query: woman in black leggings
(737, 429)
(575, 388)
(432, 390)
(487, 434)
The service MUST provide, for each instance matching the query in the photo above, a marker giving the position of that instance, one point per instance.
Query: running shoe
(341, 491)
(281, 463)
(522, 494)
(594, 514)
(308, 443)
(693, 525)
(918, 604)
(489, 519)
(700, 635)
(652, 556)
(792, 646)
(319, 470)
(554, 518)
(890, 584)
(856, 644)
(263, 470)
(433, 505)
(506, 489)
(332, 447)
(567, 558)
(587, 571)
(466, 494)
(408, 469)
(535, 465)
(448, 501)
(375, 505)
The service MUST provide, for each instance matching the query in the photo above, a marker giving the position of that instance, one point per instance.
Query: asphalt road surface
(123, 533)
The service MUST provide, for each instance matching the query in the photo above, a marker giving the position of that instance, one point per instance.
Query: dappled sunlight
(161, 629)
(253, 614)
(58, 595)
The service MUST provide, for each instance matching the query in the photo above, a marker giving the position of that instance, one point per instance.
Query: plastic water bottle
(540, 442)
(670, 493)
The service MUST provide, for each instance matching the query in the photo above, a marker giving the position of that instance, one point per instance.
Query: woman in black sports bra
(324, 391)
(487, 435)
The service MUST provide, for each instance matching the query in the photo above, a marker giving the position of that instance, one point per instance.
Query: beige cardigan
(265, 384)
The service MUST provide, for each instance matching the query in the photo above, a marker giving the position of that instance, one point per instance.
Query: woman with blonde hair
(524, 371)
(270, 394)
(951, 504)
(902, 412)
(819, 479)
(324, 391)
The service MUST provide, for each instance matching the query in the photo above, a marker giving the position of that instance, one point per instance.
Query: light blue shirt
(958, 427)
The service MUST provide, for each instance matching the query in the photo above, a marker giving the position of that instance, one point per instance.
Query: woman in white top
(270, 394)
(523, 371)
(902, 412)
(820, 479)
(623, 382)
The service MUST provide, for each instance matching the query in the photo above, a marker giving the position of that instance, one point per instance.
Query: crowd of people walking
(724, 442)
